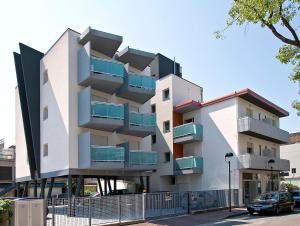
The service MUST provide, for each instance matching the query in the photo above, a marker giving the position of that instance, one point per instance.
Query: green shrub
(288, 187)
(6, 210)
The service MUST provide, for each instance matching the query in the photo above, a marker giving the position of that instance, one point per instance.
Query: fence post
(119, 208)
(90, 211)
(144, 205)
(53, 211)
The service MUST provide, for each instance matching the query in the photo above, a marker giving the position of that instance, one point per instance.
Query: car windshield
(271, 196)
(296, 193)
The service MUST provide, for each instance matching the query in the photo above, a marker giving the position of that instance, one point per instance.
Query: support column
(115, 185)
(100, 186)
(105, 185)
(109, 185)
(35, 189)
(70, 186)
(43, 184)
(18, 189)
(148, 183)
(50, 188)
(142, 183)
(79, 185)
(25, 189)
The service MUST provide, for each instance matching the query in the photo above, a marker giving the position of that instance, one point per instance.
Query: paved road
(287, 219)
(218, 219)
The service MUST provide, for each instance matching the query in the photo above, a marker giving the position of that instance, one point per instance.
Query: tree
(278, 16)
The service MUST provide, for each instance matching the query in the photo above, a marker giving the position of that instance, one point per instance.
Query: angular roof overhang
(136, 58)
(102, 42)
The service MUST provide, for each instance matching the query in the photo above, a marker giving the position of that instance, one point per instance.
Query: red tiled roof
(246, 94)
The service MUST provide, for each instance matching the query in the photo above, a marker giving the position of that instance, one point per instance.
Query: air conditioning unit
(30, 212)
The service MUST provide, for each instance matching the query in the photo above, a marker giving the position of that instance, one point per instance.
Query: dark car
(296, 197)
(273, 202)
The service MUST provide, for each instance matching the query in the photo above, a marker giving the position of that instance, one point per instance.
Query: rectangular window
(189, 120)
(153, 139)
(45, 76)
(249, 112)
(45, 150)
(166, 126)
(45, 113)
(258, 116)
(273, 122)
(166, 94)
(167, 156)
(153, 108)
(260, 150)
(249, 148)
(273, 152)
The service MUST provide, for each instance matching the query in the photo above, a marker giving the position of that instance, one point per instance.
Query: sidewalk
(196, 219)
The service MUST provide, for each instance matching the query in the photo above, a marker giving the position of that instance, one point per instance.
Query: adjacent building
(291, 151)
(86, 110)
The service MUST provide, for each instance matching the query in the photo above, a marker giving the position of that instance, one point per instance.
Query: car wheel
(292, 208)
(251, 212)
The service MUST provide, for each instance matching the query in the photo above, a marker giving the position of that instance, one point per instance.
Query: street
(217, 218)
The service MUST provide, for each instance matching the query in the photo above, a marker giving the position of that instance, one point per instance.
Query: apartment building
(81, 112)
(291, 151)
(7, 168)
(199, 134)
(86, 110)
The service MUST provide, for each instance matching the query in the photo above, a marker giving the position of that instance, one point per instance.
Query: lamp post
(228, 155)
(271, 161)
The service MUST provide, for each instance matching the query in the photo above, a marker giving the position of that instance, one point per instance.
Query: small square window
(166, 94)
(45, 150)
(153, 108)
(167, 156)
(153, 139)
(45, 76)
(189, 120)
(166, 126)
(45, 113)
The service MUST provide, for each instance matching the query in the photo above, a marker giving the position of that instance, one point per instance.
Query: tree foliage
(282, 18)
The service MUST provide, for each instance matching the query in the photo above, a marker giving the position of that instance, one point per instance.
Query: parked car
(296, 197)
(272, 202)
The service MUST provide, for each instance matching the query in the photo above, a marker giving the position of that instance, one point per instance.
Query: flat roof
(246, 94)
(136, 58)
(102, 42)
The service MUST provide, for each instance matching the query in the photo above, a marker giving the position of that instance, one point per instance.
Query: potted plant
(6, 211)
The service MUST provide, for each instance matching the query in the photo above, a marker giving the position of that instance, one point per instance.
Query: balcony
(249, 161)
(138, 124)
(101, 74)
(187, 133)
(99, 115)
(138, 88)
(188, 165)
(142, 160)
(262, 130)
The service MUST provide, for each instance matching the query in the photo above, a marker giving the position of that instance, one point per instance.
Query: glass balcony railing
(107, 67)
(142, 158)
(6, 156)
(191, 162)
(140, 119)
(187, 129)
(107, 110)
(107, 154)
(141, 81)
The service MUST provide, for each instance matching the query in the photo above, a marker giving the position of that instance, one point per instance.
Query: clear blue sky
(181, 29)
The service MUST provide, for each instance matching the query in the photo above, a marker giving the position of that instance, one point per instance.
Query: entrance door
(251, 189)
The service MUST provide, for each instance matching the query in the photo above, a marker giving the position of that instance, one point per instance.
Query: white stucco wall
(22, 165)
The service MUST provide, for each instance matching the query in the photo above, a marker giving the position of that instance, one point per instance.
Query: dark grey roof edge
(137, 52)
(100, 34)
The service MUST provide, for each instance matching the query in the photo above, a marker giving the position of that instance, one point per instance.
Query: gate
(166, 204)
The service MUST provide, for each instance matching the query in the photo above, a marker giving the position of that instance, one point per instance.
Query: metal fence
(126, 208)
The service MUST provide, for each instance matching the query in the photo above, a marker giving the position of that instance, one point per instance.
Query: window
(249, 112)
(166, 126)
(258, 116)
(45, 113)
(153, 108)
(260, 150)
(273, 152)
(167, 156)
(273, 122)
(249, 148)
(189, 120)
(45, 76)
(45, 150)
(166, 94)
(153, 139)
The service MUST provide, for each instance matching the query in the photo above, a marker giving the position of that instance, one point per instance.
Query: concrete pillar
(50, 188)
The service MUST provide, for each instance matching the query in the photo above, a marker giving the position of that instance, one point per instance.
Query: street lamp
(228, 155)
(271, 161)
